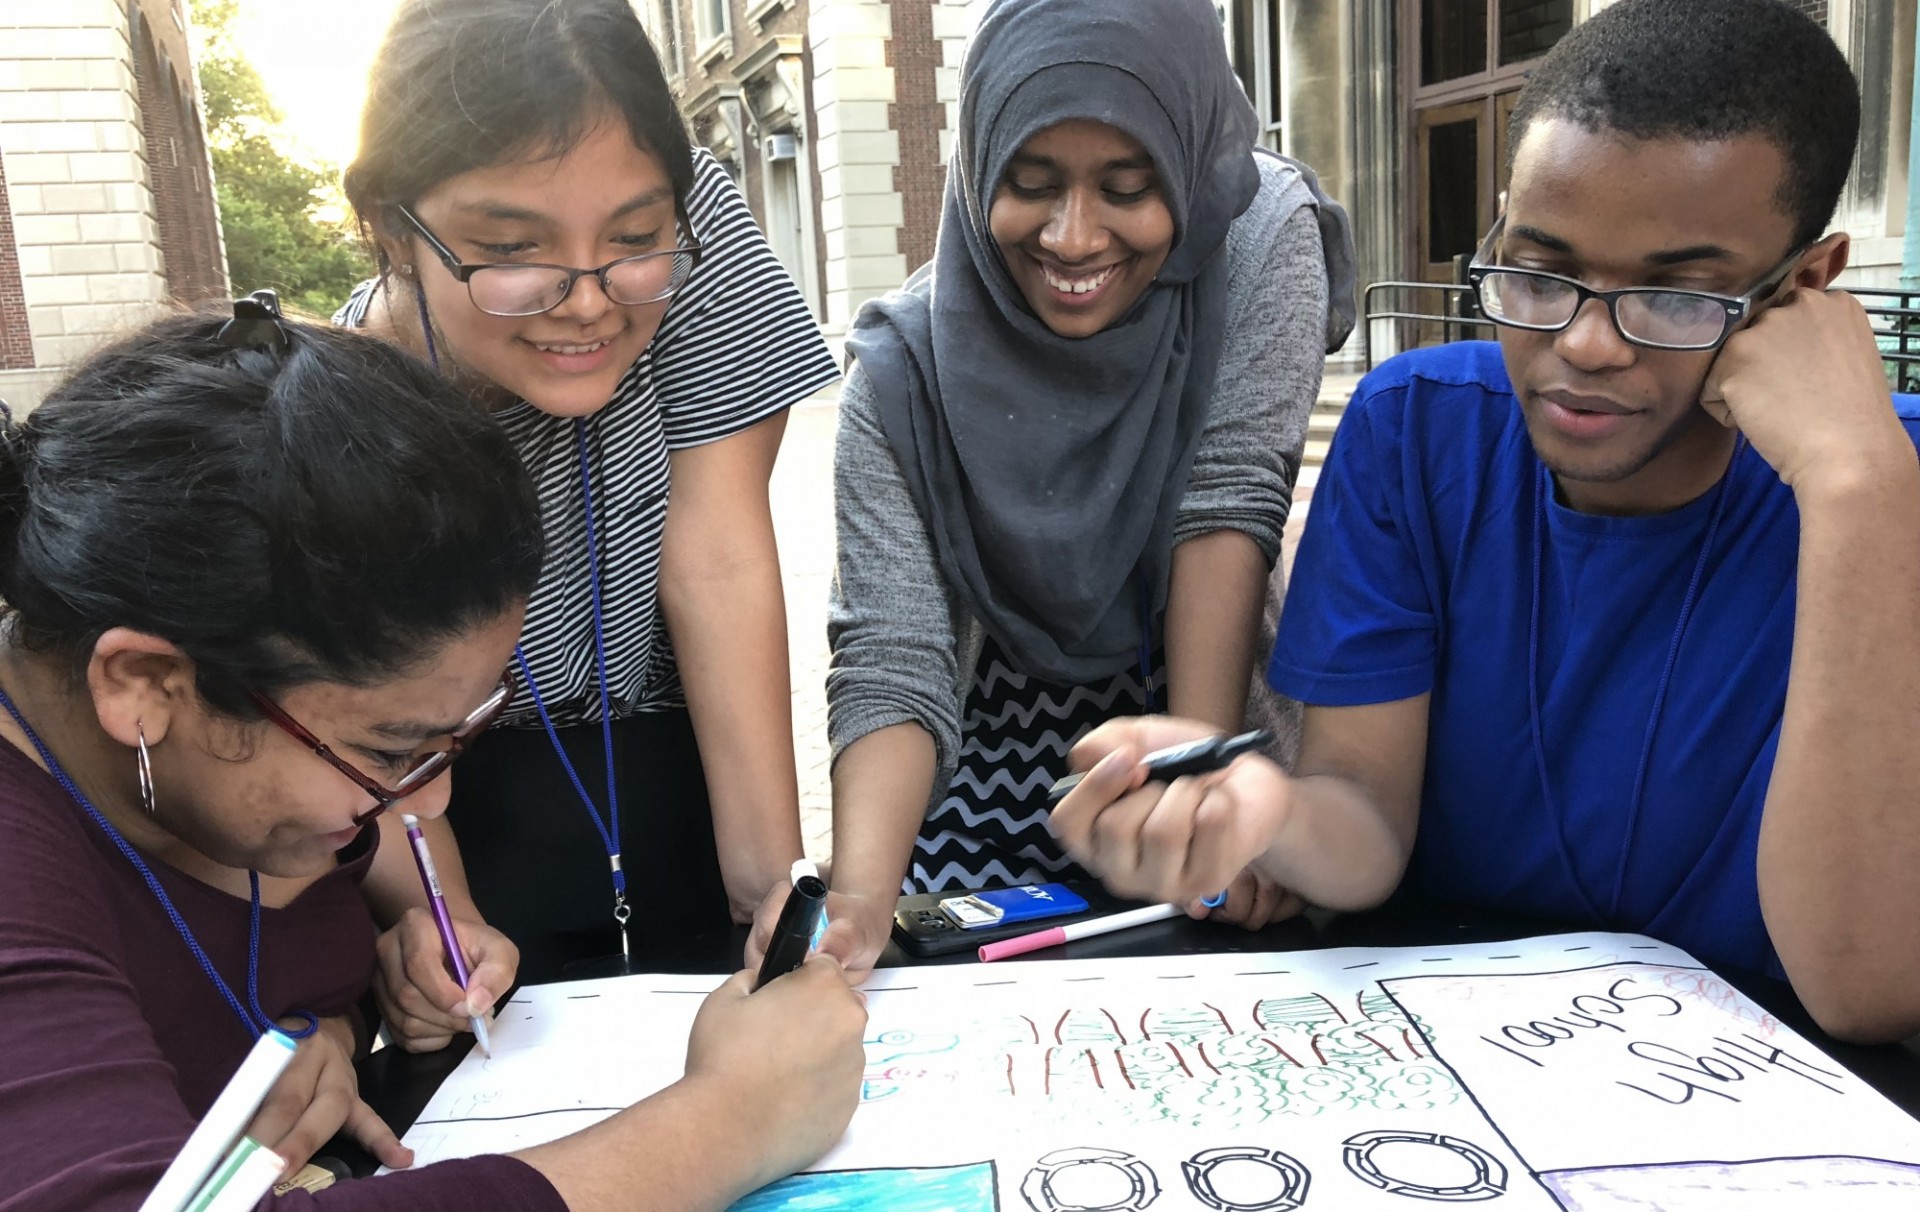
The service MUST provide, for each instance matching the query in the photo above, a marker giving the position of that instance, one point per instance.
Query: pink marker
(1008, 947)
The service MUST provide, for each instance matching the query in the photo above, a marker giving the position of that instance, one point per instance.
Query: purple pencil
(423, 859)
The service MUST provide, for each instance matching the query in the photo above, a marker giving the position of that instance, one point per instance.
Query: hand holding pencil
(423, 1000)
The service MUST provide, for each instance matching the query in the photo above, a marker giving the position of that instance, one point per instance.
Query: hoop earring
(143, 765)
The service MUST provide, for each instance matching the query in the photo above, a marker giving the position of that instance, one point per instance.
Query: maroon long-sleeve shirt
(113, 1042)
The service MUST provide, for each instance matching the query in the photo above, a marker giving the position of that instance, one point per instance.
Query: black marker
(1194, 757)
(793, 936)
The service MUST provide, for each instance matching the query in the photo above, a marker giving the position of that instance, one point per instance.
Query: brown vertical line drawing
(1202, 1045)
(1144, 1033)
(1376, 1043)
(1175, 1049)
(1093, 1061)
(1360, 1003)
(1275, 1045)
(1316, 1048)
(1336, 1010)
(1124, 1075)
(1011, 1090)
(1259, 1024)
(1413, 1045)
(1046, 1073)
(1059, 1028)
(1032, 1026)
(1118, 1033)
(1222, 1016)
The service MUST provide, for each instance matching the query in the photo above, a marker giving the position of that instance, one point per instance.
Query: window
(1256, 45)
(709, 21)
(665, 28)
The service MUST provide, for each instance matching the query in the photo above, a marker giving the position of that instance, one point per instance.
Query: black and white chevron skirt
(990, 830)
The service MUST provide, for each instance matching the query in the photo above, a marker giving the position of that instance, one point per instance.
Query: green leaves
(283, 215)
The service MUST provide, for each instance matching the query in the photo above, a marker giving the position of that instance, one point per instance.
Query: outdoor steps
(1335, 390)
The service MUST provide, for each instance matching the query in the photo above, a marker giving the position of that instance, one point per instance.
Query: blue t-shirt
(1416, 574)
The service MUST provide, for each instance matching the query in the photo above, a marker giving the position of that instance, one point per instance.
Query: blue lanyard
(1542, 486)
(1146, 646)
(609, 828)
(256, 1022)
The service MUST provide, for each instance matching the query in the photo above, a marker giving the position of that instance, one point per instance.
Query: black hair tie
(255, 324)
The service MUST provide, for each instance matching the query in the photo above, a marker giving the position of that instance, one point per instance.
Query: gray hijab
(1049, 469)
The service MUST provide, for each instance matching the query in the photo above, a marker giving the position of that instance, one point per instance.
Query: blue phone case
(1023, 904)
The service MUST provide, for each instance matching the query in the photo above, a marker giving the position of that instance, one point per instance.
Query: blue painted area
(933, 1189)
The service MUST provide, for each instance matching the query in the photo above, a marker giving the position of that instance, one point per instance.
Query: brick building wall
(1817, 9)
(177, 171)
(917, 116)
(16, 340)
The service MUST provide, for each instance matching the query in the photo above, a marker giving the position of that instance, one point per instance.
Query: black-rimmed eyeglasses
(1650, 316)
(514, 288)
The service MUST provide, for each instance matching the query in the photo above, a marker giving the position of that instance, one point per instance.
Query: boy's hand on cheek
(1805, 384)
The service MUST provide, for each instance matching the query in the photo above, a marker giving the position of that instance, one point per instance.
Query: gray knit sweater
(903, 646)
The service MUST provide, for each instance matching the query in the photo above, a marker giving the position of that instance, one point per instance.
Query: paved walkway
(803, 521)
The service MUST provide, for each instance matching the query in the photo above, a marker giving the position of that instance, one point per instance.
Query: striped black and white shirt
(736, 346)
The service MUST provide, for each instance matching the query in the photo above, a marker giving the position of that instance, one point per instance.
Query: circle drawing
(1489, 1176)
(1292, 1175)
(1041, 1190)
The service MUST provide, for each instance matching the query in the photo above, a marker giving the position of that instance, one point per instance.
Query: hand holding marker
(1163, 766)
(187, 1180)
(423, 859)
(803, 919)
(1194, 757)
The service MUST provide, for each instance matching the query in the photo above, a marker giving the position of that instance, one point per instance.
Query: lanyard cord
(1541, 488)
(1146, 646)
(257, 1021)
(609, 829)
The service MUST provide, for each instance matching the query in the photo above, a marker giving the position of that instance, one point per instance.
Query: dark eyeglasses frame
(430, 768)
(463, 271)
(1735, 307)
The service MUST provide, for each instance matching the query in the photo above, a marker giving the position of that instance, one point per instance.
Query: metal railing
(1455, 315)
(1895, 315)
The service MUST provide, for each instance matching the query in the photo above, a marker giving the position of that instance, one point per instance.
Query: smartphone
(1005, 906)
(923, 928)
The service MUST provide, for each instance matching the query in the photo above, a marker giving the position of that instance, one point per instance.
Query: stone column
(856, 153)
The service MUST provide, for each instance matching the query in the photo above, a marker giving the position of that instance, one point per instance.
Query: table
(398, 1084)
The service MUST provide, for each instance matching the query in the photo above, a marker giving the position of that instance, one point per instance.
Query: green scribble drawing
(1200, 1065)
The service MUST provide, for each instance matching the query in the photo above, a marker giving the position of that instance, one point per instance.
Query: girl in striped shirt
(551, 241)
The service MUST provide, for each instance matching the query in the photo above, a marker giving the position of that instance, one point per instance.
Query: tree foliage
(273, 206)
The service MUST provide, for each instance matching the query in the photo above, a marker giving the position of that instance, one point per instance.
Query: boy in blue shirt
(1614, 621)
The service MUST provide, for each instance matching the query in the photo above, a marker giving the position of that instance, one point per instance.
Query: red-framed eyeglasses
(430, 767)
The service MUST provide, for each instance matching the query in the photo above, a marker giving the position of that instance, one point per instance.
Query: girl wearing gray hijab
(1067, 446)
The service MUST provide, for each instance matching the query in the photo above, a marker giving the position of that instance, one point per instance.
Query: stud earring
(143, 765)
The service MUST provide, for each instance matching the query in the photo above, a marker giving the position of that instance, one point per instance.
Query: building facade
(107, 210)
(835, 117)
(1402, 105)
